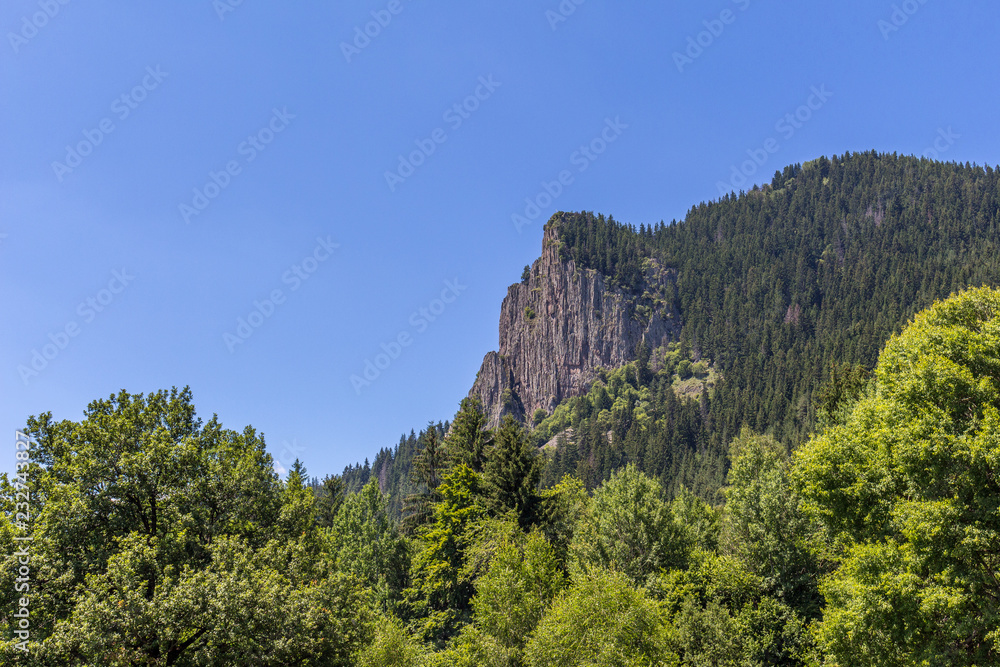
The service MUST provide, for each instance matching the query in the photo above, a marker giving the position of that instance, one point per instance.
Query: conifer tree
(512, 473)
(470, 439)
(428, 468)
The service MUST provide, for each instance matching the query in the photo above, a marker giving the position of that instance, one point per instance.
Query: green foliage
(429, 465)
(564, 506)
(629, 527)
(470, 438)
(907, 491)
(521, 581)
(765, 525)
(721, 614)
(392, 468)
(393, 646)
(837, 395)
(642, 371)
(620, 421)
(158, 540)
(366, 544)
(441, 594)
(529, 313)
(699, 520)
(243, 607)
(602, 621)
(329, 499)
(525, 275)
(511, 474)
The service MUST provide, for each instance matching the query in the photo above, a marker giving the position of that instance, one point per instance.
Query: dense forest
(786, 294)
(809, 475)
(158, 539)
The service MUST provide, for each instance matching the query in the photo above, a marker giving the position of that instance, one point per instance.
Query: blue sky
(167, 170)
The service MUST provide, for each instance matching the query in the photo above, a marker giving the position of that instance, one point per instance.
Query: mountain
(657, 345)
(561, 324)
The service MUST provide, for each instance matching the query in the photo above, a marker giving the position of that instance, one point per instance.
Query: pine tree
(329, 498)
(512, 473)
(470, 439)
(427, 470)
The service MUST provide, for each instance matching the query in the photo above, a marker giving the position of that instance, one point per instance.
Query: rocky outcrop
(561, 325)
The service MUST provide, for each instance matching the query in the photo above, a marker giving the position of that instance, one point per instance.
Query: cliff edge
(562, 324)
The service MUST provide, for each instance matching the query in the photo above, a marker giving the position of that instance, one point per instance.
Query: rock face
(563, 324)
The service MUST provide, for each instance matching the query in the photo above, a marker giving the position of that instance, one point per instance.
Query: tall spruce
(470, 438)
(512, 473)
(428, 469)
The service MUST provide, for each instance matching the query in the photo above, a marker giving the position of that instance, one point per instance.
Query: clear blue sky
(153, 97)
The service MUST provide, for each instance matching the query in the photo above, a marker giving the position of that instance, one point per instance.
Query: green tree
(721, 614)
(602, 621)
(512, 473)
(470, 438)
(564, 505)
(512, 596)
(159, 540)
(907, 489)
(441, 591)
(629, 527)
(516, 577)
(699, 520)
(298, 504)
(765, 525)
(428, 467)
(329, 499)
(246, 606)
(642, 372)
(840, 390)
(393, 646)
(366, 543)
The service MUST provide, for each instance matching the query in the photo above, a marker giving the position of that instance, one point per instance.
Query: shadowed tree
(470, 439)
(428, 467)
(512, 473)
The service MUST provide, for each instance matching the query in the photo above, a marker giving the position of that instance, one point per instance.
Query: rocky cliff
(562, 324)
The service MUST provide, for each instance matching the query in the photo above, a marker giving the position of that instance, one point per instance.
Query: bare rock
(562, 325)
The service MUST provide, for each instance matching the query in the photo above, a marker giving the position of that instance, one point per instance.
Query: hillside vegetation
(160, 540)
(808, 475)
(789, 291)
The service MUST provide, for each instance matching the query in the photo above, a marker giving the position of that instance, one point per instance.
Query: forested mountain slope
(769, 292)
(155, 538)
